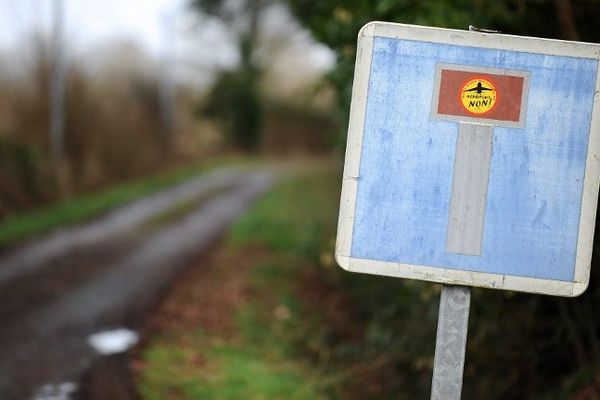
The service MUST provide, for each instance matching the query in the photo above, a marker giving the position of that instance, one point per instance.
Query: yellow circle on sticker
(478, 96)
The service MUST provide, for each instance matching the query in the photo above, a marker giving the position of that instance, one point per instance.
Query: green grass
(246, 373)
(16, 228)
(291, 226)
(227, 372)
(296, 219)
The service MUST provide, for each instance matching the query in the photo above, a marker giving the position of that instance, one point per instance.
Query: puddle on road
(61, 391)
(113, 342)
(104, 343)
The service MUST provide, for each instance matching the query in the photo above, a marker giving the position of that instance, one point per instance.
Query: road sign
(472, 159)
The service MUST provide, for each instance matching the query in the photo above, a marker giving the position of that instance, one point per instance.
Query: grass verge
(16, 228)
(245, 322)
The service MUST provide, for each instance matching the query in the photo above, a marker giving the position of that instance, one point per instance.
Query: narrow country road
(57, 291)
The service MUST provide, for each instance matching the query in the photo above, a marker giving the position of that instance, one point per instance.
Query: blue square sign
(472, 159)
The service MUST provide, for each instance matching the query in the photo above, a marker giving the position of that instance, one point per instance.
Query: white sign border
(353, 154)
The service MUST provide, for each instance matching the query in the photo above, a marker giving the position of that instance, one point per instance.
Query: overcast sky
(90, 21)
(92, 24)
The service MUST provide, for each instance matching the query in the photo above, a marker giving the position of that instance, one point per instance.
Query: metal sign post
(450, 343)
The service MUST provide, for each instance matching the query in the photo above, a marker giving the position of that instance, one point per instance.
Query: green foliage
(290, 219)
(235, 99)
(235, 102)
(19, 172)
(336, 23)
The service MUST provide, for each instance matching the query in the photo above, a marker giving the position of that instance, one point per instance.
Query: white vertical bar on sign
(451, 343)
(469, 189)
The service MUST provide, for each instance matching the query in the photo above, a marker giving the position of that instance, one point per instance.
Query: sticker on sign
(472, 159)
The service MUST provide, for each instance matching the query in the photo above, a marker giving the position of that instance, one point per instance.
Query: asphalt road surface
(58, 290)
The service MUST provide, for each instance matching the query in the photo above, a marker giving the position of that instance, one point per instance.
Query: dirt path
(57, 291)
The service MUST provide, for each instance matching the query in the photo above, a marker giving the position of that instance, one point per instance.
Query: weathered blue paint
(536, 177)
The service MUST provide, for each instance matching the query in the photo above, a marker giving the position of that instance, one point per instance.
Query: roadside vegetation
(18, 227)
(270, 316)
(240, 330)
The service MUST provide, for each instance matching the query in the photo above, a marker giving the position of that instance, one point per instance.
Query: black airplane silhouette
(477, 89)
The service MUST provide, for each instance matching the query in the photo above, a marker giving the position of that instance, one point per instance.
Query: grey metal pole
(57, 89)
(451, 342)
